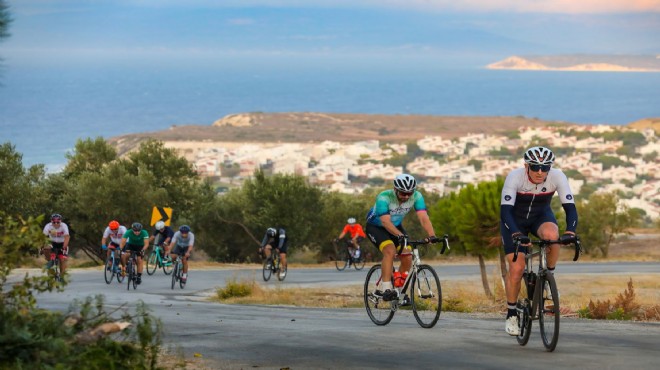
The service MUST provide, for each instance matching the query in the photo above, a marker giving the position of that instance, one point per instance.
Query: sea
(44, 110)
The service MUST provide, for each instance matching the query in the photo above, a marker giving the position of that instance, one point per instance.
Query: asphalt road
(237, 336)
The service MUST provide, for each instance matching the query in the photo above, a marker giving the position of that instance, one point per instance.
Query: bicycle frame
(414, 267)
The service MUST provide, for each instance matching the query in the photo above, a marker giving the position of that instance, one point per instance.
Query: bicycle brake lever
(445, 244)
(578, 248)
(515, 254)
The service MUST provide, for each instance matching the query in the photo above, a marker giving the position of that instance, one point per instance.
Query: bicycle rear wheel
(549, 312)
(379, 311)
(268, 269)
(152, 263)
(426, 296)
(167, 266)
(108, 270)
(341, 260)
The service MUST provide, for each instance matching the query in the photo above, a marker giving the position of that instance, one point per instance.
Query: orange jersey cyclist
(385, 229)
(357, 234)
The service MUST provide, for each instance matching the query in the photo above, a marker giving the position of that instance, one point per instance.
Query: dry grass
(577, 290)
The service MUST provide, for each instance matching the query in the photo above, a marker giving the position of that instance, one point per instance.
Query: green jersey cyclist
(136, 239)
(386, 232)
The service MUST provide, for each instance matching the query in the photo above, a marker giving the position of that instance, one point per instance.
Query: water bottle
(531, 283)
(399, 278)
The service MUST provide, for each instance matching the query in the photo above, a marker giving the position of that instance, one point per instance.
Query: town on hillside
(595, 158)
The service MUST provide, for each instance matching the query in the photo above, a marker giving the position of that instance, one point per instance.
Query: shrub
(624, 307)
(235, 288)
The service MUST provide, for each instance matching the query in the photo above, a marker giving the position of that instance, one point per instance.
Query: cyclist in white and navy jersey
(114, 232)
(182, 245)
(525, 208)
(385, 229)
(276, 238)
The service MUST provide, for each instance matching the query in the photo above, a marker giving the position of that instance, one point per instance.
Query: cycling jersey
(355, 229)
(523, 200)
(115, 236)
(166, 233)
(183, 242)
(138, 239)
(281, 238)
(388, 203)
(56, 235)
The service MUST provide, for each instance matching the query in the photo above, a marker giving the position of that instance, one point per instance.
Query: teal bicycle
(156, 261)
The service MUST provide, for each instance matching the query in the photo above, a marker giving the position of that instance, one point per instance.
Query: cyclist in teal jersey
(385, 229)
(136, 239)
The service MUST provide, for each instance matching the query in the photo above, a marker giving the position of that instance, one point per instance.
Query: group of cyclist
(524, 209)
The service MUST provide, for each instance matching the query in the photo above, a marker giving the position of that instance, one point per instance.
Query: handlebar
(544, 243)
(444, 239)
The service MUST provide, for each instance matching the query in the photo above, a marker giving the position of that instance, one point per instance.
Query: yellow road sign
(161, 214)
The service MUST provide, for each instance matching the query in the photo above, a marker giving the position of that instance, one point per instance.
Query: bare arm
(386, 220)
(425, 221)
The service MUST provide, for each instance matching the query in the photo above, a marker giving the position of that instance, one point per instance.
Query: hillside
(581, 63)
(317, 127)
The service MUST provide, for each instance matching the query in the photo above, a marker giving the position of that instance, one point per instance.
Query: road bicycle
(112, 268)
(542, 300)
(177, 275)
(131, 270)
(421, 290)
(344, 255)
(156, 261)
(54, 268)
(272, 266)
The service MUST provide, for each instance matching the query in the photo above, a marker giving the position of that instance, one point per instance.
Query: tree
(5, 19)
(22, 191)
(474, 216)
(600, 219)
(89, 156)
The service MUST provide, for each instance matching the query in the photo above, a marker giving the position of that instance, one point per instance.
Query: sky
(451, 32)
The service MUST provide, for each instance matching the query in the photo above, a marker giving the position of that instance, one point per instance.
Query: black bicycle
(131, 270)
(345, 252)
(177, 274)
(422, 285)
(272, 266)
(542, 300)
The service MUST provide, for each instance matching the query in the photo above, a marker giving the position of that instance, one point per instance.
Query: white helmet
(405, 183)
(160, 225)
(539, 155)
(351, 220)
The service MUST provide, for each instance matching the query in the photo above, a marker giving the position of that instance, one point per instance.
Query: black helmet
(136, 226)
(271, 232)
(184, 229)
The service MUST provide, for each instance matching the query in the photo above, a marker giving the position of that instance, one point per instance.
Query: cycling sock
(139, 274)
(511, 310)
(552, 269)
(385, 285)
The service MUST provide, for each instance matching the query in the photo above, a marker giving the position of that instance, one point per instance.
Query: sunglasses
(537, 167)
(55, 222)
(404, 194)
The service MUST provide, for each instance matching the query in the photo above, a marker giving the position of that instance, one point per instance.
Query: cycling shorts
(283, 249)
(134, 247)
(526, 227)
(179, 250)
(380, 237)
(58, 249)
(113, 245)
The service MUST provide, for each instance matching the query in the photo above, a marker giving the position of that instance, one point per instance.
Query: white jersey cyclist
(56, 234)
(114, 235)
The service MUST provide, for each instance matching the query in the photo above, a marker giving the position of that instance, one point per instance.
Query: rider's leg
(185, 264)
(514, 276)
(283, 260)
(550, 231)
(267, 250)
(62, 263)
(46, 252)
(406, 260)
(389, 250)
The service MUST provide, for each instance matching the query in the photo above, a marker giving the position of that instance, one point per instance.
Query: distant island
(581, 63)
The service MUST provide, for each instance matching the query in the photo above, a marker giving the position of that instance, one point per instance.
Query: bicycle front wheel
(549, 312)
(152, 263)
(107, 271)
(129, 268)
(175, 275)
(181, 282)
(359, 263)
(426, 296)
(379, 311)
(268, 270)
(341, 260)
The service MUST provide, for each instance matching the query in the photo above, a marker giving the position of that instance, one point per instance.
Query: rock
(235, 120)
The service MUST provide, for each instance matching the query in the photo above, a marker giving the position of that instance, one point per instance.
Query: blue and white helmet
(539, 155)
(405, 183)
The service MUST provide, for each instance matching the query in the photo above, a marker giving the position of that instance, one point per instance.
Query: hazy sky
(443, 31)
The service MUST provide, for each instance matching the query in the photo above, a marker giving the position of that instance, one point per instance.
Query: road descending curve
(273, 337)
